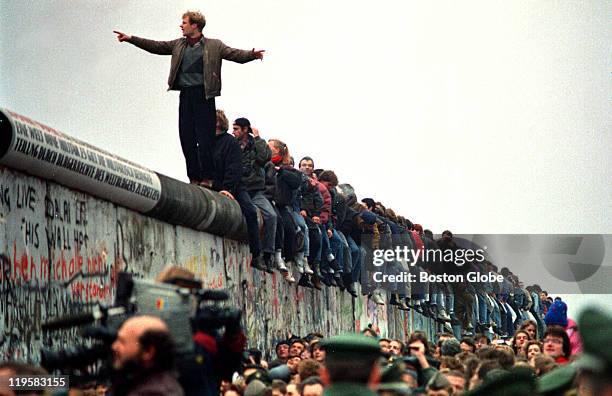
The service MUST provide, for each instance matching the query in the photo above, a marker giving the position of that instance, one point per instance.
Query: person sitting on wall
(283, 182)
(228, 181)
(255, 154)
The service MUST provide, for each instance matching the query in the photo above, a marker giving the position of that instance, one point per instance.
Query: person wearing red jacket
(306, 165)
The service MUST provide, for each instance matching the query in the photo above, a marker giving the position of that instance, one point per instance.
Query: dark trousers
(250, 214)
(197, 122)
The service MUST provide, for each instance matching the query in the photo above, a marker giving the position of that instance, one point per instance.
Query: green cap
(557, 381)
(506, 383)
(594, 325)
(351, 346)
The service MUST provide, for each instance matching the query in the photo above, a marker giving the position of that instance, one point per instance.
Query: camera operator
(217, 356)
(143, 357)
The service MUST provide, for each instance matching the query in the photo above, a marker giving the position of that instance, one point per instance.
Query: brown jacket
(214, 52)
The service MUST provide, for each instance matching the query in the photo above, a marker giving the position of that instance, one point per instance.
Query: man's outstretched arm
(152, 46)
(240, 56)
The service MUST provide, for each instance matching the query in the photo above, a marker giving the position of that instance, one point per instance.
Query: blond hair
(222, 121)
(283, 150)
(196, 17)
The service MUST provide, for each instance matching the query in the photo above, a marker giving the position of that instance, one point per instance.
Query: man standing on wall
(195, 71)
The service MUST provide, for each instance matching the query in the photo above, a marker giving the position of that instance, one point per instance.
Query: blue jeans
(302, 224)
(250, 214)
(325, 248)
(269, 220)
(497, 314)
(356, 257)
(348, 258)
(483, 313)
(337, 249)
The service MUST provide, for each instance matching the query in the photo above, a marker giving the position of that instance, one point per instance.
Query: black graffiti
(58, 210)
(5, 197)
(26, 197)
(80, 212)
(30, 232)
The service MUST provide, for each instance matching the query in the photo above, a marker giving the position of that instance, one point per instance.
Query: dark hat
(557, 314)
(594, 325)
(557, 381)
(243, 122)
(391, 379)
(352, 346)
(281, 342)
(506, 383)
(260, 375)
(438, 381)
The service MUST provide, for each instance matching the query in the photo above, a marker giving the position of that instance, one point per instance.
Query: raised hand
(122, 36)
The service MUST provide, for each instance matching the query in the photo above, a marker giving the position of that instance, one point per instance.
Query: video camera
(181, 303)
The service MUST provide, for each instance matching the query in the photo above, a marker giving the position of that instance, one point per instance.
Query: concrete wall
(61, 250)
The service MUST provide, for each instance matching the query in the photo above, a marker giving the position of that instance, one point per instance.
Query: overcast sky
(473, 116)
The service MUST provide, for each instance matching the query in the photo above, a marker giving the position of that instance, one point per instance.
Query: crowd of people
(529, 363)
(495, 337)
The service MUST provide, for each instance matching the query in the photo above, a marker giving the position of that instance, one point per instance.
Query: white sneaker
(281, 265)
(377, 299)
(288, 277)
(300, 265)
(443, 315)
(307, 268)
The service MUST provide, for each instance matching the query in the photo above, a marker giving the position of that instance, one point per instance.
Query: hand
(419, 354)
(227, 194)
(255, 132)
(122, 36)
(303, 213)
(329, 233)
(258, 54)
(316, 219)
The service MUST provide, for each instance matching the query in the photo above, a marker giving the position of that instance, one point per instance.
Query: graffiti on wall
(61, 251)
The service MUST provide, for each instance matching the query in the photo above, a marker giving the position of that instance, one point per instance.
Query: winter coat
(213, 53)
(338, 208)
(283, 190)
(572, 332)
(310, 198)
(255, 155)
(327, 201)
(227, 157)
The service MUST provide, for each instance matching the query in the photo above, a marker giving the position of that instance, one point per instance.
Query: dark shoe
(402, 305)
(305, 282)
(393, 300)
(269, 263)
(324, 277)
(258, 263)
(316, 282)
(315, 266)
(339, 282)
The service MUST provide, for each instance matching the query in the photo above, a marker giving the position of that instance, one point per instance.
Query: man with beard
(144, 359)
